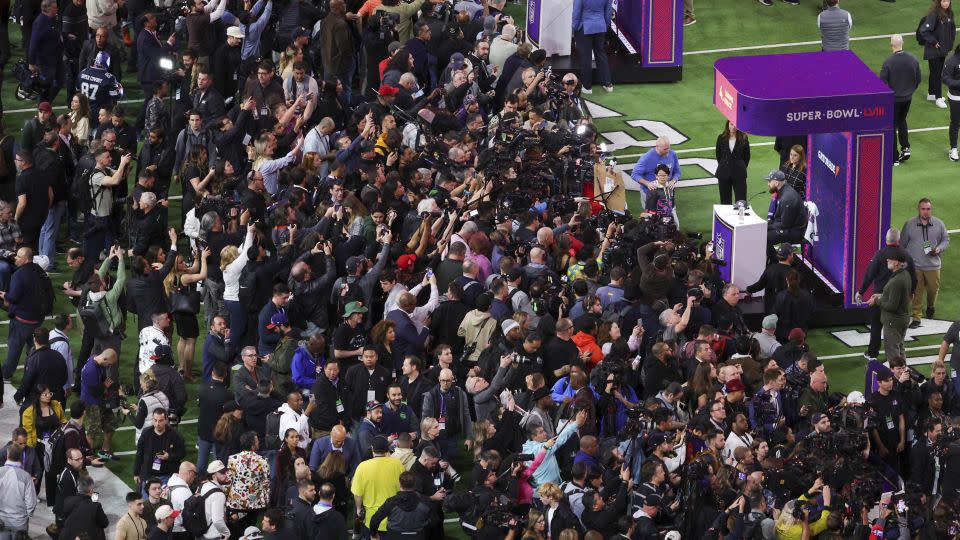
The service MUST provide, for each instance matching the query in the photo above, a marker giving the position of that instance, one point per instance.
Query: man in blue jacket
(410, 341)
(23, 304)
(591, 18)
(45, 53)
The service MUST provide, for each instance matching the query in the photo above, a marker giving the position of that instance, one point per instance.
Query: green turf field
(687, 107)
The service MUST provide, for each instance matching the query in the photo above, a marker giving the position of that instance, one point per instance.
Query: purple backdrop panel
(829, 165)
(722, 244)
(802, 93)
(662, 33)
(533, 21)
(871, 204)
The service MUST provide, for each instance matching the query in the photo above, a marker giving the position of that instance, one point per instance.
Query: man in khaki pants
(925, 238)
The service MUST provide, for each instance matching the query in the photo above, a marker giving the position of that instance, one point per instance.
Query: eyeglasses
(570, 83)
(447, 380)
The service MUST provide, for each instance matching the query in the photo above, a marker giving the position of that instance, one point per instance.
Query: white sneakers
(941, 103)
(587, 91)
(953, 155)
(931, 97)
(608, 88)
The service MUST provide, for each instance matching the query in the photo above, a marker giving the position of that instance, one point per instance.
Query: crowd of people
(423, 298)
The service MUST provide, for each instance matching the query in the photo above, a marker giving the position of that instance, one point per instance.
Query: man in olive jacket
(894, 305)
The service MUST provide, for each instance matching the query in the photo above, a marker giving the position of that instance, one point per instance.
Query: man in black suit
(150, 49)
(213, 395)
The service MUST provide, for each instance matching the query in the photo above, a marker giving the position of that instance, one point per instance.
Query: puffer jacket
(587, 343)
(476, 329)
(405, 512)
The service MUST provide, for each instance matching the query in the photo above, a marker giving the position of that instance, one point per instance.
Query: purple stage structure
(846, 111)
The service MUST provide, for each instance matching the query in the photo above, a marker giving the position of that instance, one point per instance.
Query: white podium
(741, 244)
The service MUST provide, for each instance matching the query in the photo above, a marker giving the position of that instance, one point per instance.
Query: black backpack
(920, 40)
(94, 319)
(194, 513)
(271, 436)
(81, 190)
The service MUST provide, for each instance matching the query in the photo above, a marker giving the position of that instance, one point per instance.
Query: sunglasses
(570, 83)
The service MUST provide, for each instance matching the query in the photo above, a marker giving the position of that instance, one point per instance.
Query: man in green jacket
(108, 336)
(894, 305)
(282, 356)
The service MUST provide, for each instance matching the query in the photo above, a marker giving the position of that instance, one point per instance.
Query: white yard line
(782, 45)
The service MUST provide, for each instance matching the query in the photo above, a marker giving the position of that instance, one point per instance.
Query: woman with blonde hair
(559, 516)
(795, 170)
(232, 261)
(151, 399)
(536, 526)
(183, 278)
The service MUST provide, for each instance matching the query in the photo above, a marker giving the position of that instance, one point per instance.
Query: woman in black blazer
(733, 157)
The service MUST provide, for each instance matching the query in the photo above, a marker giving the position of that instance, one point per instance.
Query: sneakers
(914, 324)
(868, 358)
(767, 3)
(904, 154)
(931, 97)
(953, 155)
(586, 91)
(608, 88)
(687, 21)
(930, 312)
(104, 455)
(941, 103)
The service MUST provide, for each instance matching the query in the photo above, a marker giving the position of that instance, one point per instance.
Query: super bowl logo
(719, 247)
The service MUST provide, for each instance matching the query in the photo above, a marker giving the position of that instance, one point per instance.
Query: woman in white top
(232, 261)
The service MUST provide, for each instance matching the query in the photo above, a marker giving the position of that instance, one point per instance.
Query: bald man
(95, 381)
(644, 172)
(901, 72)
(23, 305)
(337, 441)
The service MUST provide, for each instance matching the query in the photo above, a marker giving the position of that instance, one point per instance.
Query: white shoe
(587, 91)
(931, 97)
(608, 88)
(954, 156)
(941, 103)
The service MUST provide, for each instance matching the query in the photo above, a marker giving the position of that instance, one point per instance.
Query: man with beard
(789, 218)
(433, 486)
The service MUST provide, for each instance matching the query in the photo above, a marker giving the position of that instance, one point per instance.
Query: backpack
(93, 318)
(46, 294)
(194, 513)
(247, 282)
(353, 294)
(80, 189)
(918, 35)
(271, 435)
(58, 451)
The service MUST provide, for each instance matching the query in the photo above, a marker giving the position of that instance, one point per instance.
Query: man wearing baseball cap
(894, 303)
(888, 435)
(226, 69)
(165, 517)
(349, 338)
(774, 277)
(34, 128)
(789, 219)
(214, 505)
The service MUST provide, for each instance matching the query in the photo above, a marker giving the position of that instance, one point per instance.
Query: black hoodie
(404, 512)
(330, 525)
